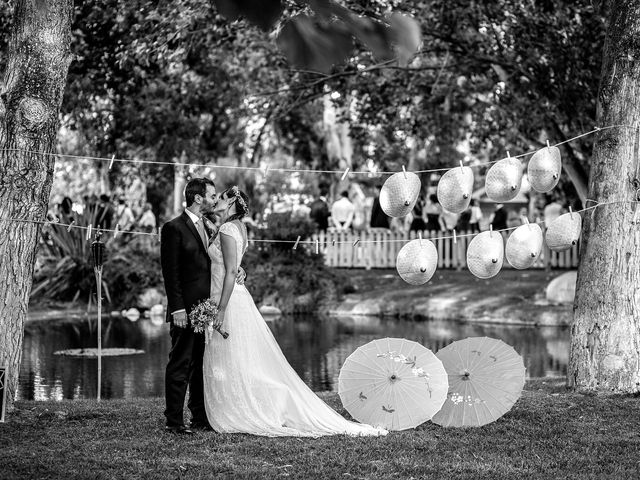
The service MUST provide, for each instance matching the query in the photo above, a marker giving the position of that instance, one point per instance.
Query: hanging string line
(288, 170)
(310, 242)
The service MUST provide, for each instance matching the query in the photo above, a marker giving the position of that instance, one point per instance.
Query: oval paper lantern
(504, 180)
(399, 194)
(485, 254)
(455, 189)
(544, 169)
(524, 245)
(417, 261)
(564, 232)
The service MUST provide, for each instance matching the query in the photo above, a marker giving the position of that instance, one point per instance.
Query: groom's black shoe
(178, 430)
(203, 426)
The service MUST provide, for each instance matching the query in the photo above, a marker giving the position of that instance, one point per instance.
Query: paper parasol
(524, 246)
(485, 254)
(564, 232)
(392, 383)
(399, 194)
(486, 377)
(544, 169)
(455, 188)
(417, 261)
(504, 180)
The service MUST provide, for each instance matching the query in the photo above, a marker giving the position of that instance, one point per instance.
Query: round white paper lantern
(544, 169)
(417, 261)
(564, 232)
(455, 189)
(524, 245)
(485, 254)
(504, 180)
(399, 194)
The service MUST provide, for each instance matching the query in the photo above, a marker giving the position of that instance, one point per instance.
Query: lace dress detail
(249, 386)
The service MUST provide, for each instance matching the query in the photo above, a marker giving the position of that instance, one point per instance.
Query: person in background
(278, 205)
(449, 219)
(398, 224)
(433, 212)
(418, 224)
(358, 199)
(513, 219)
(319, 213)
(104, 213)
(301, 210)
(65, 210)
(552, 211)
(379, 219)
(147, 221)
(124, 215)
(463, 221)
(342, 212)
(476, 216)
(499, 217)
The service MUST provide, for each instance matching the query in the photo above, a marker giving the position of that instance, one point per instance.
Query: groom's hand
(180, 319)
(240, 276)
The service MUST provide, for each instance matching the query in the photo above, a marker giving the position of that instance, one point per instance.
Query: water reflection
(315, 348)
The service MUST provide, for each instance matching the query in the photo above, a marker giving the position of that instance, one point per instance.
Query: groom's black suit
(186, 269)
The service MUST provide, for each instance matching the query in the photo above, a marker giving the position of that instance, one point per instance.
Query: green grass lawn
(550, 433)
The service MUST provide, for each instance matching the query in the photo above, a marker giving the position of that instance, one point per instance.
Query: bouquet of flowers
(202, 317)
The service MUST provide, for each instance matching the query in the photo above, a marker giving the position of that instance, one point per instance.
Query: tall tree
(605, 341)
(30, 98)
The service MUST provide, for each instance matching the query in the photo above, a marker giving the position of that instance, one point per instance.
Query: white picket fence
(378, 248)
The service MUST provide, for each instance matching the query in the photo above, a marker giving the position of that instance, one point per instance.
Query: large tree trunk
(605, 344)
(30, 98)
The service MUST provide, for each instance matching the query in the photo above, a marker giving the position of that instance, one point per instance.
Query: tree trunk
(605, 342)
(30, 99)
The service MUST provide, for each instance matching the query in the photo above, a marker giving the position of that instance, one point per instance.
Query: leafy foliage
(66, 271)
(282, 226)
(318, 42)
(293, 280)
(163, 81)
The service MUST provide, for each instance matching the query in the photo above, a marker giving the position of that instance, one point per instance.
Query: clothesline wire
(288, 170)
(309, 242)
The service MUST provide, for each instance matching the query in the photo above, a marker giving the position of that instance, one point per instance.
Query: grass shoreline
(550, 433)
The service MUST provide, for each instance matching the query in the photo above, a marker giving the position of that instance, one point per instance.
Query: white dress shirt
(342, 211)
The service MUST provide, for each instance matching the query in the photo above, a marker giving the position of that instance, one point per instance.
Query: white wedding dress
(249, 387)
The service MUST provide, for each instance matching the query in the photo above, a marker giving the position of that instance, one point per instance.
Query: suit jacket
(186, 266)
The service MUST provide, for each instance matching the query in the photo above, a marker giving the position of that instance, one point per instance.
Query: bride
(249, 387)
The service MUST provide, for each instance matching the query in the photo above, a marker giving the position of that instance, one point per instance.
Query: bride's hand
(217, 323)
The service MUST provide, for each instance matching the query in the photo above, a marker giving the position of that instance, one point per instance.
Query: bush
(131, 272)
(295, 281)
(65, 267)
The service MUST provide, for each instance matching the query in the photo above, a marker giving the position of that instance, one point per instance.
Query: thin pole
(98, 271)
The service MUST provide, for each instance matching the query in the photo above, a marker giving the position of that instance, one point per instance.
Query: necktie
(202, 232)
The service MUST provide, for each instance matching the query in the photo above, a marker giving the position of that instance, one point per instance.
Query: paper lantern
(524, 246)
(504, 180)
(399, 194)
(455, 189)
(417, 261)
(564, 232)
(485, 254)
(544, 169)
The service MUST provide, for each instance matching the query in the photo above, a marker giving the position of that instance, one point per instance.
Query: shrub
(295, 281)
(66, 273)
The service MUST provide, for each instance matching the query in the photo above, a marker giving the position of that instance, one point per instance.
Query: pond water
(316, 348)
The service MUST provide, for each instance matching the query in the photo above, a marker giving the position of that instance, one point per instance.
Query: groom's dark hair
(196, 186)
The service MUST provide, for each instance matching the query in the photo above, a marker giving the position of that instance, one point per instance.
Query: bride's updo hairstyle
(241, 201)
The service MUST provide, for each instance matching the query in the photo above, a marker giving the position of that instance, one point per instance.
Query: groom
(186, 269)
